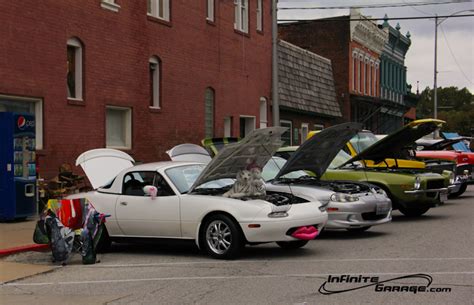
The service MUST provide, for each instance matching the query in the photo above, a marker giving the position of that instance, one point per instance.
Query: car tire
(291, 245)
(357, 230)
(461, 191)
(221, 237)
(413, 212)
(104, 243)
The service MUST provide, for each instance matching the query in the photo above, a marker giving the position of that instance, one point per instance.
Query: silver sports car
(354, 206)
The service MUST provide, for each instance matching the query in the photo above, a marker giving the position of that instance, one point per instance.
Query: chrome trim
(441, 190)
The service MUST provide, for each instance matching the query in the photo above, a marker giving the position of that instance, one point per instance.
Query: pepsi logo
(23, 123)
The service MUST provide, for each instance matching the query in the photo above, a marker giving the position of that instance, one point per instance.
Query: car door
(141, 215)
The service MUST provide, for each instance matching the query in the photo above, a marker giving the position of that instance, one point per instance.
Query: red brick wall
(329, 39)
(117, 47)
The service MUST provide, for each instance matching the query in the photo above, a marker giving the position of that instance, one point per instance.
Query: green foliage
(455, 106)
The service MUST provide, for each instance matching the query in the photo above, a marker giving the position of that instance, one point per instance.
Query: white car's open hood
(103, 164)
(189, 152)
(254, 150)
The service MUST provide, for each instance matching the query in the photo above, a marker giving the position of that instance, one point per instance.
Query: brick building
(306, 92)
(140, 76)
(354, 45)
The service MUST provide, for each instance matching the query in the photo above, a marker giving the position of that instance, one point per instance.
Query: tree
(455, 106)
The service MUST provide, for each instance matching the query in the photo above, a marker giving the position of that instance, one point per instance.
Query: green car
(412, 191)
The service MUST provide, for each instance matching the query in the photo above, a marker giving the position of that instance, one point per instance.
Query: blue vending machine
(17, 166)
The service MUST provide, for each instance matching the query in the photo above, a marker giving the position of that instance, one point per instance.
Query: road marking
(223, 277)
(213, 262)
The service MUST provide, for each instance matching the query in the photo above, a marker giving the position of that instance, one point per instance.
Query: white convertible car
(184, 200)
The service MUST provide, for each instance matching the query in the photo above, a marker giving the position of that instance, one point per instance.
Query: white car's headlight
(341, 197)
(417, 183)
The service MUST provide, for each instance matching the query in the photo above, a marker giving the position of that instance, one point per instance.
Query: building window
(210, 10)
(354, 72)
(366, 73)
(359, 74)
(118, 127)
(26, 105)
(371, 69)
(263, 112)
(259, 15)
(110, 5)
(318, 127)
(159, 9)
(241, 22)
(155, 82)
(228, 126)
(376, 76)
(247, 124)
(209, 112)
(287, 136)
(304, 131)
(74, 69)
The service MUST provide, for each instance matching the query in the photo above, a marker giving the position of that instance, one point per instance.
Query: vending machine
(17, 166)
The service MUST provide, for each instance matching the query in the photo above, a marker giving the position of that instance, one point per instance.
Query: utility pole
(435, 85)
(275, 100)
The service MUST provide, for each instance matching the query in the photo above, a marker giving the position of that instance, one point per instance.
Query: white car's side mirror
(150, 190)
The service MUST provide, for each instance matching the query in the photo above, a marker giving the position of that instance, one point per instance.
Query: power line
(381, 5)
(375, 19)
(417, 9)
(454, 57)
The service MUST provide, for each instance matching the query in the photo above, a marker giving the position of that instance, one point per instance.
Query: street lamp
(435, 86)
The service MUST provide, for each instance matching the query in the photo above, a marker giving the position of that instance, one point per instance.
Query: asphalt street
(438, 246)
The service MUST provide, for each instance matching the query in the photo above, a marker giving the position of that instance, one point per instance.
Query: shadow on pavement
(424, 218)
(343, 234)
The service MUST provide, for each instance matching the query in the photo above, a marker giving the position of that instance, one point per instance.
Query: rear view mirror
(150, 190)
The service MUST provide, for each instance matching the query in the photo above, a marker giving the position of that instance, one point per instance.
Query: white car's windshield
(183, 177)
(271, 169)
(363, 140)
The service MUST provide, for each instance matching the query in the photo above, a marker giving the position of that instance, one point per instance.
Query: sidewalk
(16, 237)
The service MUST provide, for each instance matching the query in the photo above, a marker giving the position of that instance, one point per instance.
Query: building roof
(306, 81)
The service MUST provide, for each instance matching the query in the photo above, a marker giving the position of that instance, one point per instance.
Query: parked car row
(253, 191)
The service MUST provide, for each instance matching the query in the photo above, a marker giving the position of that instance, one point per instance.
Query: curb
(34, 247)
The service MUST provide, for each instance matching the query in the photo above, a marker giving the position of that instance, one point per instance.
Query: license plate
(382, 209)
(443, 197)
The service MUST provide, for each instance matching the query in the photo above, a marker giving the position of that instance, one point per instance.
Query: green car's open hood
(393, 145)
(316, 153)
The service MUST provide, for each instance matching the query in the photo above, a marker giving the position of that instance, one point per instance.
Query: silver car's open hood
(254, 150)
(316, 153)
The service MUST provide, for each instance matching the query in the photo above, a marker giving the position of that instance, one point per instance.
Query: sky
(455, 35)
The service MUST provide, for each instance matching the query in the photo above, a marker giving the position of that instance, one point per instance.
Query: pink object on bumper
(306, 233)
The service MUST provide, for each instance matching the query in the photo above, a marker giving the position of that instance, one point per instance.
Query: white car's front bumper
(276, 229)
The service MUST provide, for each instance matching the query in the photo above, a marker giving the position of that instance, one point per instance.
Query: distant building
(307, 93)
(398, 102)
(140, 76)
(354, 45)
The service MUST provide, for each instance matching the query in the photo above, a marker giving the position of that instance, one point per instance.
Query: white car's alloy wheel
(218, 237)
